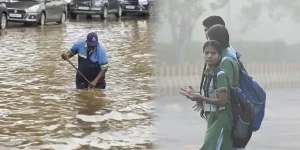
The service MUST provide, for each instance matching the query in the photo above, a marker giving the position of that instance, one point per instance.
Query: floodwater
(40, 107)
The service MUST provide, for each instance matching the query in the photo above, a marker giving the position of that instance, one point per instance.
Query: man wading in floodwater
(92, 62)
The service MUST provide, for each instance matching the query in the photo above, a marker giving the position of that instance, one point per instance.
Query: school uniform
(231, 67)
(232, 70)
(218, 118)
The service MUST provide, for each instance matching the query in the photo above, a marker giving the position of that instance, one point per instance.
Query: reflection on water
(40, 107)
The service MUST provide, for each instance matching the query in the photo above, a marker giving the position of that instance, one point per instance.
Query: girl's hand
(191, 94)
(189, 90)
(198, 106)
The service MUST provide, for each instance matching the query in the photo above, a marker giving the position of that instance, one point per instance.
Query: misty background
(265, 32)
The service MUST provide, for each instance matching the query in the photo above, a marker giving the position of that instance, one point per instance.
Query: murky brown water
(40, 107)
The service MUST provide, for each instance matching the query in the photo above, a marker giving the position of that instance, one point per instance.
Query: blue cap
(92, 39)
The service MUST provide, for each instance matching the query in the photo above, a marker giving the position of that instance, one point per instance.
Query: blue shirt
(98, 55)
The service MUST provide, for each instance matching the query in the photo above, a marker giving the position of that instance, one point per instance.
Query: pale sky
(264, 29)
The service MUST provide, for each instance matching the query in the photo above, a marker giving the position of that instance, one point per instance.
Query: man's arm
(103, 62)
(73, 51)
(101, 73)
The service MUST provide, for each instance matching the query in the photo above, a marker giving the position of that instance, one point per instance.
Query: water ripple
(40, 107)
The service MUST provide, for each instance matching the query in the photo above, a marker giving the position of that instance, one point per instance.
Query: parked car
(3, 15)
(95, 7)
(145, 7)
(67, 2)
(37, 11)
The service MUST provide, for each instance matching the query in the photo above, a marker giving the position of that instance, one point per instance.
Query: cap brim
(96, 43)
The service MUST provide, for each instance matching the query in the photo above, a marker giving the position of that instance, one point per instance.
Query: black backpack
(243, 115)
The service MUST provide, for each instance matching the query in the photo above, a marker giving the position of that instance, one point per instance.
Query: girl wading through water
(215, 103)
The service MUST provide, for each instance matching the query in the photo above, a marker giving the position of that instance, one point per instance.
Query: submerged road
(40, 107)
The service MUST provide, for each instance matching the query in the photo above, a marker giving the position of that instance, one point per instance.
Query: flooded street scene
(150, 58)
(40, 106)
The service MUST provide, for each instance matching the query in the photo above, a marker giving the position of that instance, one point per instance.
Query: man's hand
(93, 84)
(67, 55)
(98, 78)
(64, 56)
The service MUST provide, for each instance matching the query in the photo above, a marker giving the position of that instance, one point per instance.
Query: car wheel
(104, 13)
(42, 19)
(62, 18)
(3, 21)
(119, 13)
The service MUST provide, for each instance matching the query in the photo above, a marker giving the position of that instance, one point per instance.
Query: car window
(66, 1)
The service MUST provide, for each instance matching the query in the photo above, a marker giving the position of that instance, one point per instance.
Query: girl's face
(211, 56)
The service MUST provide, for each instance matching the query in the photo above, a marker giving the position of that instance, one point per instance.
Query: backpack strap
(238, 55)
(207, 81)
(241, 66)
(237, 59)
(228, 54)
(215, 77)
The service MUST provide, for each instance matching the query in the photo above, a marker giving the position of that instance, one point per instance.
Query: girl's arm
(220, 101)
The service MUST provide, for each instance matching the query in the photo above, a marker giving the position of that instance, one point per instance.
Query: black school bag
(243, 115)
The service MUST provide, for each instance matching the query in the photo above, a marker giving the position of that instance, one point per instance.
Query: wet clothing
(218, 118)
(89, 64)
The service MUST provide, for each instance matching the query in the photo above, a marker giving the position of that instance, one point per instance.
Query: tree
(182, 16)
(276, 9)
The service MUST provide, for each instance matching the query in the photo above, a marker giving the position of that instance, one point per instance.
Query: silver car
(3, 15)
(96, 7)
(36, 11)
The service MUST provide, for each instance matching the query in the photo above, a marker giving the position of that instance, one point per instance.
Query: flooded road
(40, 107)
